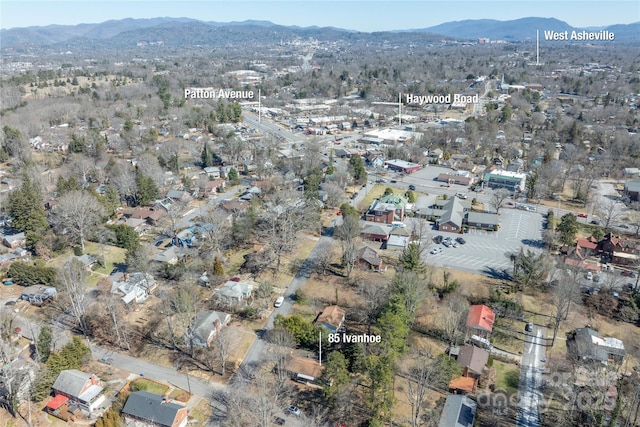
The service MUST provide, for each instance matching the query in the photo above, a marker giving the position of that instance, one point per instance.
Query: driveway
(488, 252)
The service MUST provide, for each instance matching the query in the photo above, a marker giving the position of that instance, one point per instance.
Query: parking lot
(489, 252)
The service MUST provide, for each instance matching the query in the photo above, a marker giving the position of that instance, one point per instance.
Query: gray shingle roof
(150, 407)
(71, 382)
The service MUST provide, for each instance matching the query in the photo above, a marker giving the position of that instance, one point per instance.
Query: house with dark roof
(152, 410)
(376, 232)
(618, 251)
(81, 388)
(368, 258)
(632, 190)
(303, 366)
(472, 360)
(480, 319)
(205, 326)
(332, 318)
(458, 411)
(586, 345)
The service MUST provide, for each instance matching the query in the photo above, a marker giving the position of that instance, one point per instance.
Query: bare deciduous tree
(453, 316)
(349, 233)
(78, 213)
(498, 199)
(72, 287)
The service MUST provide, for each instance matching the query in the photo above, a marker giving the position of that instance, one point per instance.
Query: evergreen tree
(146, 189)
(233, 174)
(568, 228)
(357, 169)
(77, 144)
(63, 186)
(335, 374)
(26, 208)
(218, 269)
(45, 341)
(111, 199)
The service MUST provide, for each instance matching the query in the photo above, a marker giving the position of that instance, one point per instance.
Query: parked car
(278, 302)
(438, 239)
(447, 243)
(454, 244)
(596, 278)
(412, 187)
(435, 251)
(528, 327)
(582, 215)
(589, 276)
(294, 410)
(461, 195)
(461, 240)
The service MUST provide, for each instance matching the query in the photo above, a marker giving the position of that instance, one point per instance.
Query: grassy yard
(148, 385)
(507, 376)
(201, 412)
(376, 192)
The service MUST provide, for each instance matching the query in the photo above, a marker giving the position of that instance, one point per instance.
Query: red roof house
(480, 317)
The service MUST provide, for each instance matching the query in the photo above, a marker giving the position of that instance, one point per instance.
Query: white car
(589, 276)
(435, 251)
(278, 302)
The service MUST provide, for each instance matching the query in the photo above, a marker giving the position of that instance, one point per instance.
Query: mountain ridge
(516, 30)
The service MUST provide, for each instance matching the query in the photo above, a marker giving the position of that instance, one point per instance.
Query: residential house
(235, 207)
(376, 232)
(480, 319)
(399, 238)
(209, 188)
(81, 388)
(368, 259)
(632, 190)
(586, 247)
(178, 196)
(134, 287)
(144, 409)
(472, 360)
(38, 294)
(374, 159)
(212, 172)
(458, 411)
(205, 326)
(14, 240)
(168, 256)
(486, 221)
(435, 155)
(332, 318)
(234, 293)
(87, 260)
(618, 251)
(586, 345)
(151, 215)
(387, 209)
(303, 367)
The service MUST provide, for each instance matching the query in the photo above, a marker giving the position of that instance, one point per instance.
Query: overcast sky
(356, 15)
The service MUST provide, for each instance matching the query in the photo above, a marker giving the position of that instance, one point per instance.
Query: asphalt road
(259, 349)
(197, 386)
(531, 379)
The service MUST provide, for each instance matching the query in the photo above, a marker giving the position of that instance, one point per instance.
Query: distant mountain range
(192, 31)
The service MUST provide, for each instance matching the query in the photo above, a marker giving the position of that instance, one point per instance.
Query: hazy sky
(357, 15)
